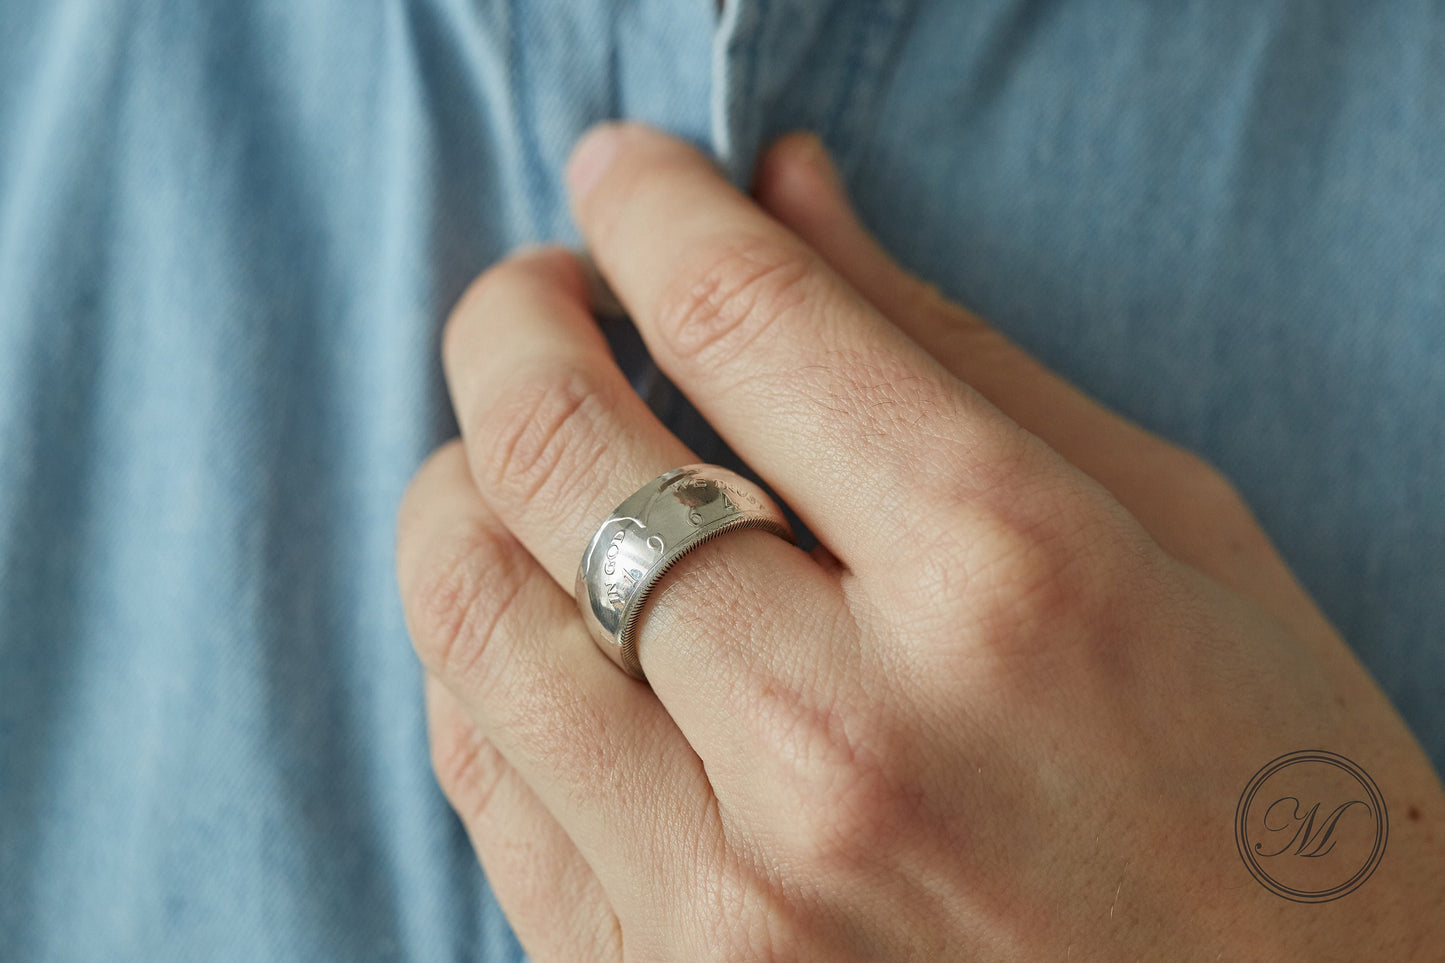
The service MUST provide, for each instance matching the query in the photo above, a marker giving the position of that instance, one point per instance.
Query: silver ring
(663, 521)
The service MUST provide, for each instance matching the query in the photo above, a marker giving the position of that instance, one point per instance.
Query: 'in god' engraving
(611, 564)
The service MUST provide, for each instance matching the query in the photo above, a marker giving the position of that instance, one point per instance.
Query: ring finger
(490, 625)
(557, 439)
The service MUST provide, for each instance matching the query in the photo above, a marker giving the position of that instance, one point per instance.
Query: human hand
(1005, 712)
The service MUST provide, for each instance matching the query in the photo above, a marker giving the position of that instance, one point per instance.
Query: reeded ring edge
(626, 644)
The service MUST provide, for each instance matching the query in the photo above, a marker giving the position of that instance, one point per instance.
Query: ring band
(663, 521)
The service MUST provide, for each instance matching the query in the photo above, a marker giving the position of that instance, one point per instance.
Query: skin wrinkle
(983, 766)
(994, 580)
(529, 435)
(470, 597)
(530, 877)
(548, 719)
(692, 600)
(703, 591)
(852, 385)
(608, 940)
(827, 747)
(717, 585)
(741, 870)
(928, 903)
(916, 433)
(703, 858)
(456, 759)
(853, 381)
(547, 714)
(712, 315)
(870, 397)
(759, 922)
(1226, 533)
(915, 458)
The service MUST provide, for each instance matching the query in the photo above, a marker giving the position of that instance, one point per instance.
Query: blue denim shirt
(229, 234)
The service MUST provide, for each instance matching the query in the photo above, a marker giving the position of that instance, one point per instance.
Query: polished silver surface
(667, 518)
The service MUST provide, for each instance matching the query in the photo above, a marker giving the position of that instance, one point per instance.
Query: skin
(1005, 713)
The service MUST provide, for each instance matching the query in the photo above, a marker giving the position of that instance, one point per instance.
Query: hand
(1006, 712)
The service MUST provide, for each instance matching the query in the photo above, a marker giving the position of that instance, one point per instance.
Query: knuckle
(1026, 580)
(752, 922)
(603, 938)
(541, 440)
(1039, 563)
(846, 798)
(468, 768)
(460, 606)
(741, 289)
(853, 825)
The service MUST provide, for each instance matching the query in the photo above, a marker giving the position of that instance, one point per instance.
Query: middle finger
(873, 442)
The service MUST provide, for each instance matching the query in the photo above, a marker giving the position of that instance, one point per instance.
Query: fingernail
(591, 157)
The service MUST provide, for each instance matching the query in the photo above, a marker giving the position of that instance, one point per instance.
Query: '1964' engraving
(616, 590)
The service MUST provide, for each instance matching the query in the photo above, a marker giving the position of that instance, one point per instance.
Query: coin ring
(646, 535)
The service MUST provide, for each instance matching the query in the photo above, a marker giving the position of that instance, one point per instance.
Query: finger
(865, 434)
(1186, 505)
(557, 439)
(598, 750)
(555, 435)
(550, 895)
(797, 184)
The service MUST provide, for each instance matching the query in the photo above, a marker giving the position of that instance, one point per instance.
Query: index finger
(861, 430)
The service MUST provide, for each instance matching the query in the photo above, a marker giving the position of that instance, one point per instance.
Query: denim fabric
(228, 236)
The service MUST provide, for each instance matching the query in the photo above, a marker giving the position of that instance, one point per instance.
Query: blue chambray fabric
(228, 236)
